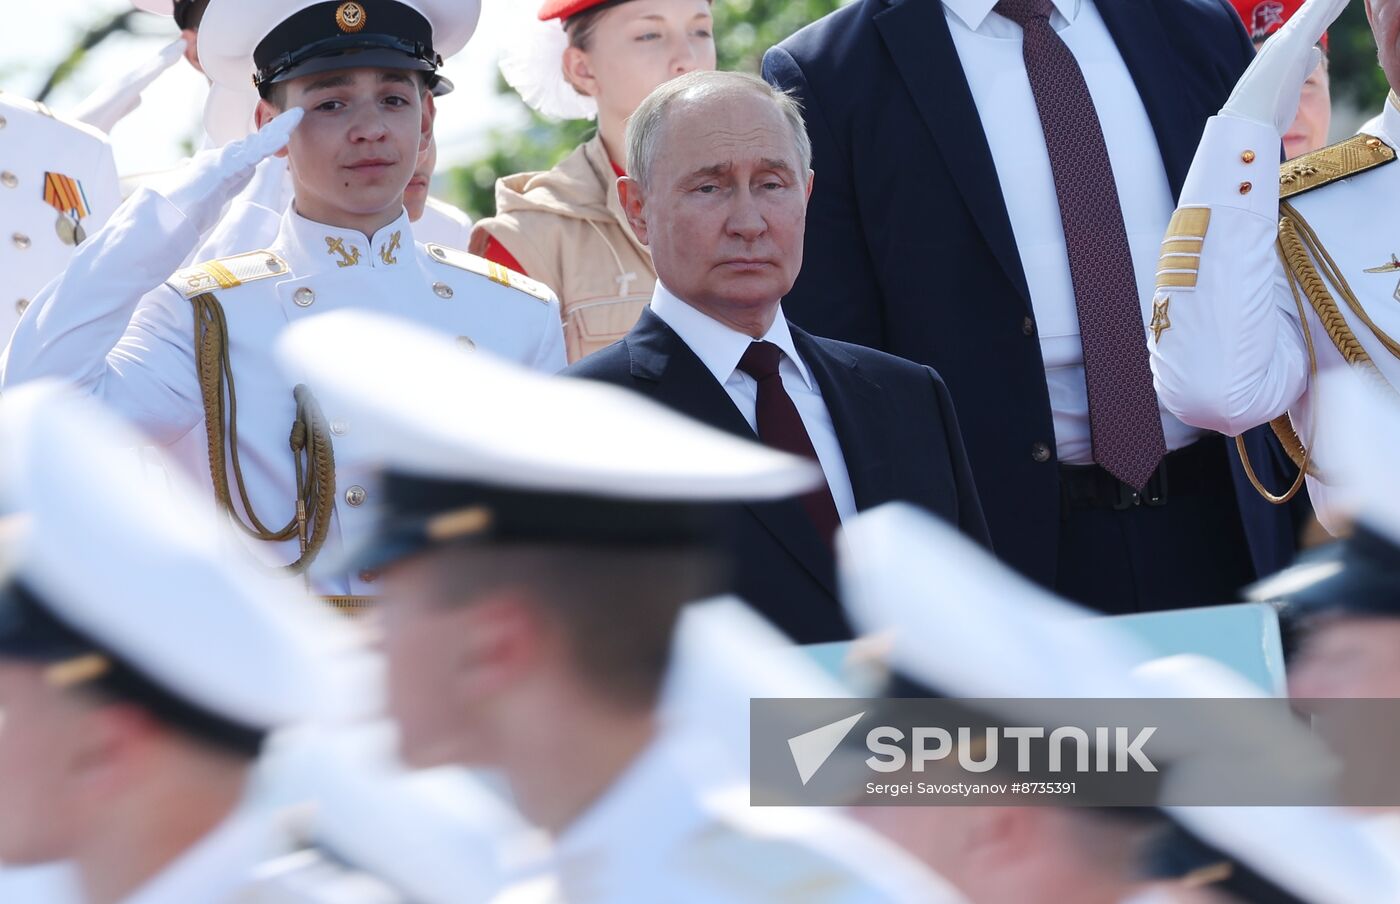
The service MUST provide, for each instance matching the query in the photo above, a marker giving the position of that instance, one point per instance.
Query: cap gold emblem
(350, 17)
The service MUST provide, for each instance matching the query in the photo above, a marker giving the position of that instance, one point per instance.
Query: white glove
(1269, 91)
(106, 106)
(201, 188)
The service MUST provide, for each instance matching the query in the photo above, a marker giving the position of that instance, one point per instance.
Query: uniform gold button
(1247, 156)
(369, 575)
(442, 289)
(303, 297)
(9, 179)
(1040, 452)
(465, 343)
(1373, 143)
(356, 495)
(22, 305)
(340, 428)
(21, 240)
(1246, 187)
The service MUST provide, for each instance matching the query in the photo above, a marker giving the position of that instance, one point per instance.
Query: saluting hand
(201, 188)
(1269, 91)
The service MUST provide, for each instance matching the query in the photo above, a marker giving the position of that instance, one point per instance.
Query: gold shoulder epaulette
(491, 270)
(1338, 161)
(227, 272)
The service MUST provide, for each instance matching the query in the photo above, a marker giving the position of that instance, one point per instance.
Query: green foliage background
(745, 29)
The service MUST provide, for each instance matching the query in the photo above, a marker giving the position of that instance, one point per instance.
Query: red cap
(1264, 17)
(563, 9)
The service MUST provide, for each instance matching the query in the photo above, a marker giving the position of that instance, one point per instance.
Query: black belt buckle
(1153, 495)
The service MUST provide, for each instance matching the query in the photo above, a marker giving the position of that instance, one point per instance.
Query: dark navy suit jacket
(898, 433)
(909, 247)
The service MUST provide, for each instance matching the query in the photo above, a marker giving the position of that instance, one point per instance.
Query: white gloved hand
(1269, 91)
(106, 106)
(200, 189)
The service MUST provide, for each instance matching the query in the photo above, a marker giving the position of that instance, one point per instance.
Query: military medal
(65, 194)
(1391, 267)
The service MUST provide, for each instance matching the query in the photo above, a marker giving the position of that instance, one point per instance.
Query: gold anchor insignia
(386, 253)
(337, 246)
(1161, 320)
(350, 17)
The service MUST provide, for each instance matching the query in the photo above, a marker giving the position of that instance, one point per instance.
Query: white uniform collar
(214, 868)
(312, 246)
(715, 344)
(974, 12)
(652, 806)
(1390, 120)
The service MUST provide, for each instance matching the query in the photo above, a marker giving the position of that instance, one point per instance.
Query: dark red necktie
(1123, 420)
(780, 426)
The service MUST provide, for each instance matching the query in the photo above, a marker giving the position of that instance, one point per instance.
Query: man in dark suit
(718, 185)
(995, 181)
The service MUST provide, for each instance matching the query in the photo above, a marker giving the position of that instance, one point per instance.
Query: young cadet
(189, 362)
(1268, 278)
(253, 219)
(586, 59)
(58, 185)
(141, 670)
(530, 601)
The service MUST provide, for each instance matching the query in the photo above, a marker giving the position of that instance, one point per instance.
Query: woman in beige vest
(565, 227)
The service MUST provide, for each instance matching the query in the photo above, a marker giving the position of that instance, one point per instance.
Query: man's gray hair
(644, 127)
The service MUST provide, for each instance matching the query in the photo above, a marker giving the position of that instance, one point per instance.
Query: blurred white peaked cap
(423, 405)
(964, 624)
(145, 573)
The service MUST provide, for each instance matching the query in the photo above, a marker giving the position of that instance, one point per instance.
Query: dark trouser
(1180, 544)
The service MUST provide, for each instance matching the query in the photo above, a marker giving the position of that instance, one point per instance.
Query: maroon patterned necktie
(1123, 419)
(780, 426)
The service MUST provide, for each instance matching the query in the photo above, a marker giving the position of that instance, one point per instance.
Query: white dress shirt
(720, 348)
(989, 47)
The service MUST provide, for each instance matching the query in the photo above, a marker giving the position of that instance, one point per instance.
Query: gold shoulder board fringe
(227, 272)
(1338, 161)
(491, 270)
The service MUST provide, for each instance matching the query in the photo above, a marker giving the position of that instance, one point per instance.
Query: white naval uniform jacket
(657, 835)
(1229, 351)
(112, 328)
(34, 142)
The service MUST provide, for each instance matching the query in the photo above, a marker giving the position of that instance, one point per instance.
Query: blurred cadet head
(1309, 130)
(1341, 603)
(353, 156)
(483, 641)
(415, 197)
(719, 175)
(1384, 16)
(1014, 855)
(365, 72)
(619, 50)
(1341, 607)
(142, 662)
(528, 597)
